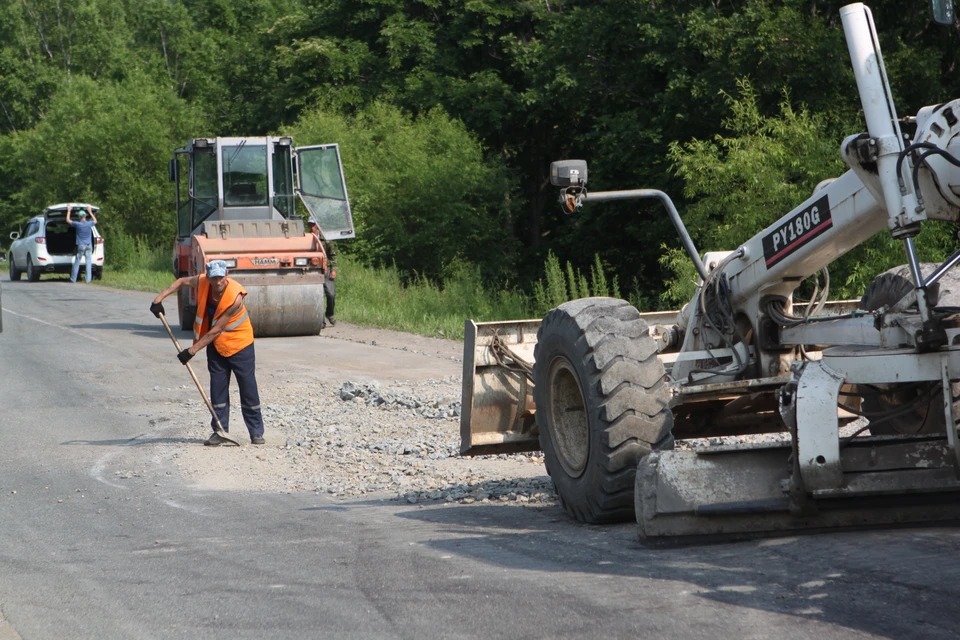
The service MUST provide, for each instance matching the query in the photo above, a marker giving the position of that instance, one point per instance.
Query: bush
(767, 166)
(423, 196)
(123, 252)
(107, 143)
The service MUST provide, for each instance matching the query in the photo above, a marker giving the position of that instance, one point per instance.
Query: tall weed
(123, 252)
(383, 297)
(564, 284)
(133, 263)
(376, 296)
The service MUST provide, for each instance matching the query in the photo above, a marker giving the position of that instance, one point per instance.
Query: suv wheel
(32, 274)
(14, 272)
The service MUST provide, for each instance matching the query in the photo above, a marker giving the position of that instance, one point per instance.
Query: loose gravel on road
(352, 439)
(355, 439)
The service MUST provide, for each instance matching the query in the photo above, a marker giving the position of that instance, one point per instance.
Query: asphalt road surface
(83, 555)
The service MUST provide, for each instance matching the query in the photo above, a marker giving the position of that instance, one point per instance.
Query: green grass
(378, 297)
(133, 264)
(367, 296)
(137, 279)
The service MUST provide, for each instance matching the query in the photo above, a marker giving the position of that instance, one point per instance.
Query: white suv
(49, 244)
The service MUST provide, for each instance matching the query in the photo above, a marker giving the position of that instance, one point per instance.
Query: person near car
(84, 234)
(329, 285)
(222, 326)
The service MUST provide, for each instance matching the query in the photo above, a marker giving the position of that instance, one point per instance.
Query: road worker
(223, 324)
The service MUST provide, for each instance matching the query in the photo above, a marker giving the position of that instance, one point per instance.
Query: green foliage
(106, 143)
(743, 182)
(679, 289)
(740, 184)
(123, 252)
(138, 279)
(554, 292)
(449, 113)
(134, 263)
(852, 273)
(424, 198)
(44, 42)
(381, 297)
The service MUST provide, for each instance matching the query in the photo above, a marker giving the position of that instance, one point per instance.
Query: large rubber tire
(601, 401)
(190, 315)
(888, 289)
(187, 314)
(14, 272)
(32, 274)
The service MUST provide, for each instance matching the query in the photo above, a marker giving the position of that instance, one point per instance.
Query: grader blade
(497, 414)
(735, 490)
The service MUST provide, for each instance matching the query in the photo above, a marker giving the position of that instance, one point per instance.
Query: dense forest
(449, 112)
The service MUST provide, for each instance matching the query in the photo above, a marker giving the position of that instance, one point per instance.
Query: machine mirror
(942, 12)
(172, 170)
(568, 173)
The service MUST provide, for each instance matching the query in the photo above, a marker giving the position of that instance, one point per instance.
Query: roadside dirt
(398, 439)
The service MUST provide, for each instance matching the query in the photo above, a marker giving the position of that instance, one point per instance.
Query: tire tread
(623, 384)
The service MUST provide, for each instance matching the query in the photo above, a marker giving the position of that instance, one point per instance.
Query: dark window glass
(245, 175)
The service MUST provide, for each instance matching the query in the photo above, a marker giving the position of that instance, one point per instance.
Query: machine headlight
(300, 262)
(231, 264)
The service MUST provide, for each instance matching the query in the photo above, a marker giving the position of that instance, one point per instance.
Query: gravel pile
(372, 395)
(850, 430)
(399, 441)
(363, 439)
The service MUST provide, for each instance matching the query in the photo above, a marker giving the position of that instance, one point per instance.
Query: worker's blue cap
(216, 268)
(82, 213)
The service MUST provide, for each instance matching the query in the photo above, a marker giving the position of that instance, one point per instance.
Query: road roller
(236, 201)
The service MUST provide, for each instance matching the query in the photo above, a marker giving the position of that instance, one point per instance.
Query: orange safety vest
(238, 334)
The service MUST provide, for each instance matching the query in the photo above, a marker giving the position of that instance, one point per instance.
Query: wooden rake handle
(218, 428)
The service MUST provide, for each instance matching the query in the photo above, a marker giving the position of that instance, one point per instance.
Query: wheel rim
(568, 418)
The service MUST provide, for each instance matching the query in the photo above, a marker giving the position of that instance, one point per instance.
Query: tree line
(448, 113)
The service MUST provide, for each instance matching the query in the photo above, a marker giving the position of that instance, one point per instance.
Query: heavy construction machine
(606, 391)
(236, 202)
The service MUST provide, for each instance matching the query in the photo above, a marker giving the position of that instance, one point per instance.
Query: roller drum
(280, 309)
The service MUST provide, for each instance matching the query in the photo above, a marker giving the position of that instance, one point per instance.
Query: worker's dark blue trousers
(243, 365)
(330, 296)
